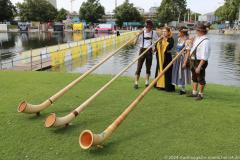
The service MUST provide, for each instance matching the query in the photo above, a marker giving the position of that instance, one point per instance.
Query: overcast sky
(200, 6)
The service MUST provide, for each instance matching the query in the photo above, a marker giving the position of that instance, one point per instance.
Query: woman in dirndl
(181, 75)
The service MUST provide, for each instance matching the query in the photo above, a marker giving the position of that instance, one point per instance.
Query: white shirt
(203, 50)
(147, 42)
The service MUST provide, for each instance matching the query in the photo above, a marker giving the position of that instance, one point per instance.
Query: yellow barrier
(76, 52)
(77, 36)
(84, 49)
(78, 27)
(57, 58)
(94, 48)
(71, 51)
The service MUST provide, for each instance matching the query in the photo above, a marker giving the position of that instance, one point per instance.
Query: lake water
(224, 63)
(223, 68)
(11, 43)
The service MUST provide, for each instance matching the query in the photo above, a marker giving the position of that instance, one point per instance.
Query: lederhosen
(194, 62)
(147, 56)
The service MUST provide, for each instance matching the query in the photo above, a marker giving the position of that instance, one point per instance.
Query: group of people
(191, 64)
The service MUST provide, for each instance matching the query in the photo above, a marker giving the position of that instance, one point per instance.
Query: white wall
(3, 27)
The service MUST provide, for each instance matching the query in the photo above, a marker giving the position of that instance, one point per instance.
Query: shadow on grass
(65, 129)
(110, 147)
(34, 117)
(37, 117)
(72, 126)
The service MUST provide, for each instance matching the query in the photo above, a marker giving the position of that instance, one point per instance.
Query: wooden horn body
(62, 121)
(25, 107)
(87, 138)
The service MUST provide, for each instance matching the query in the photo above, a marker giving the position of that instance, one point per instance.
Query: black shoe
(135, 86)
(192, 95)
(182, 92)
(146, 85)
(199, 98)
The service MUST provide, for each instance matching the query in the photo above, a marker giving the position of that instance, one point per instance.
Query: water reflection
(11, 43)
(224, 63)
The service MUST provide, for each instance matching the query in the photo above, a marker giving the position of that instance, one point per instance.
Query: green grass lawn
(162, 125)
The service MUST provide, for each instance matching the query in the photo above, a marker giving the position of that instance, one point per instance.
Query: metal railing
(43, 60)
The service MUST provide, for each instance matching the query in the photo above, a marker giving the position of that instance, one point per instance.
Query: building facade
(209, 17)
(53, 2)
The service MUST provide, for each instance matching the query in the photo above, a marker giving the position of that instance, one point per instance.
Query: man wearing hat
(145, 40)
(199, 54)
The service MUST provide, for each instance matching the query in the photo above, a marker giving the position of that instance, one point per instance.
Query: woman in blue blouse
(181, 75)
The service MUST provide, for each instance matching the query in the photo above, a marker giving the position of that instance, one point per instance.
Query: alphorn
(53, 120)
(87, 139)
(25, 107)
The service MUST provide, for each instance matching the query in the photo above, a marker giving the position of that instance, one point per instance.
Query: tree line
(229, 11)
(90, 11)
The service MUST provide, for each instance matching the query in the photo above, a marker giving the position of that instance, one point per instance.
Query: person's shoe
(135, 86)
(182, 92)
(146, 85)
(199, 98)
(192, 95)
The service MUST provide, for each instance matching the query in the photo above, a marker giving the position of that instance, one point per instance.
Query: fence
(42, 58)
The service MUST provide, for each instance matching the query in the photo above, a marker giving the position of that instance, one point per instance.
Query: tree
(36, 10)
(221, 14)
(229, 11)
(91, 11)
(165, 12)
(7, 9)
(179, 8)
(127, 13)
(171, 10)
(62, 14)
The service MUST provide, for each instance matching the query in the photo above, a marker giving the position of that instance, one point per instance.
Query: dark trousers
(198, 78)
(148, 57)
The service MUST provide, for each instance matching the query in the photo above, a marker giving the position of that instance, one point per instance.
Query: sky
(200, 6)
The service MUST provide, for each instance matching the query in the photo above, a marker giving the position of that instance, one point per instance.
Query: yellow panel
(77, 36)
(76, 52)
(100, 45)
(109, 42)
(118, 40)
(84, 49)
(94, 48)
(78, 27)
(57, 58)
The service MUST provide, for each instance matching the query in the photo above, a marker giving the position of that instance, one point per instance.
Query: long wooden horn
(30, 108)
(87, 139)
(53, 120)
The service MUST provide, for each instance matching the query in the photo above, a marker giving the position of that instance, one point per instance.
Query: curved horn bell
(25, 107)
(62, 121)
(87, 138)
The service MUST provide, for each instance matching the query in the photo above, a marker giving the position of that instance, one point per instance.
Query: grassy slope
(163, 124)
